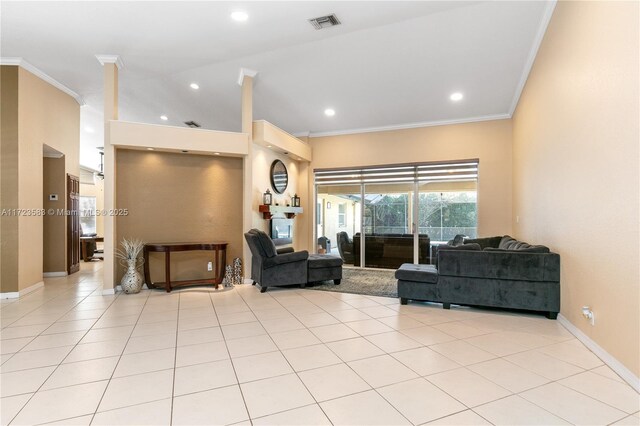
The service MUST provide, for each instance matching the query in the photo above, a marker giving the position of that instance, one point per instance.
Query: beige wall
(489, 141)
(576, 136)
(180, 198)
(54, 226)
(45, 115)
(96, 190)
(8, 178)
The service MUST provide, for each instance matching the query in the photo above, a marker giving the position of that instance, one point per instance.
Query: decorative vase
(237, 270)
(228, 276)
(132, 279)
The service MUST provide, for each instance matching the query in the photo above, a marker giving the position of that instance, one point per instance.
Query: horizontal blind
(423, 172)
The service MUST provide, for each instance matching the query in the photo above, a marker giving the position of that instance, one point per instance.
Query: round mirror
(279, 176)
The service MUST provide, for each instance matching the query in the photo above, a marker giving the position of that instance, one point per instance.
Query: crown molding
(20, 62)
(537, 41)
(110, 59)
(404, 126)
(246, 72)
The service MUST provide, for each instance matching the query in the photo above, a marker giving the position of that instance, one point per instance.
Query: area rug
(372, 282)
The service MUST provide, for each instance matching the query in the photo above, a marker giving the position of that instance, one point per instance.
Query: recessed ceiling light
(89, 129)
(194, 86)
(456, 96)
(184, 150)
(329, 112)
(149, 149)
(269, 146)
(164, 118)
(216, 153)
(239, 16)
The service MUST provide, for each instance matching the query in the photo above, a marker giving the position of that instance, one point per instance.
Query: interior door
(73, 224)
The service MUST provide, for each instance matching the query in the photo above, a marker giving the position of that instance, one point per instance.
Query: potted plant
(132, 279)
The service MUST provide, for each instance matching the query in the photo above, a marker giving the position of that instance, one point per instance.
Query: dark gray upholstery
(271, 269)
(345, 247)
(413, 272)
(322, 267)
(519, 277)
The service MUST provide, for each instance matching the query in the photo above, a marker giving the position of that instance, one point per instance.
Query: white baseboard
(23, 292)
(108, 291)
(54, 274)
(605, 356)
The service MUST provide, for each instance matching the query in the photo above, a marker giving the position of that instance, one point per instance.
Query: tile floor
(70, 355)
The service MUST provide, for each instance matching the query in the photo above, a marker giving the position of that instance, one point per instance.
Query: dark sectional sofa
(389, 250)
(495, 272)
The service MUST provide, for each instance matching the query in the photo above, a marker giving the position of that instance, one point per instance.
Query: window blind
(423, 172)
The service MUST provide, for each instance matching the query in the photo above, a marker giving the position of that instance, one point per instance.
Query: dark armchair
(345, 247)
(269, 268)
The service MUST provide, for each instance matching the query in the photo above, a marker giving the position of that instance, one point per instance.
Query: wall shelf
(269, 211)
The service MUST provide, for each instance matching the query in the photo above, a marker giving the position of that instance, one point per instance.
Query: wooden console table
(219, 257)
(84, 241)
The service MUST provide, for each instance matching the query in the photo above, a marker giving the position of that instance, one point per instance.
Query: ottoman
(418, 282)
(323, 267)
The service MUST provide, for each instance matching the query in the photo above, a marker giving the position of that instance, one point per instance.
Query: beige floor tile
(401, 322)
(632, 420)
(164, 327)
(468, 387)
(427, 335)
(195, 323)
(201, 353)
(332, 382)
(237, 318)
(572, 406)
(294, 339)
(514, 410)
(104, 334)
(612, 392)
(35, 359)
(420, 401)
(371, 410)
(10, 346)
(81, 372)
(462, 352)
(145, 362)
(238, 331)
(368, 327)
(508, 375)
(317, 320)
(354, 349)
(75, 421)
(349, 315)
(379, 312)
(544, 365)
(382, 370)
(425, 361)
(334, 332)
(153, 317)
(67, 326)
(529, 340)
(202, 377)
(201, 335)
(574, 353)
(88, 351)
(362, 302)
(393, 341)
(494, 343)
(309, 357)
(62, 403)
(311, 415)
(261, 366)
(150, 343)
(464, 418)
(607, 372)
(459, 330)
(10, 406)
(20, 332)
(54, 341)
(270, 396)
(251, 346)
(222, 406)
(279, 325)
(138, 389)
(23, 381)
(272, 314)
(151, 413)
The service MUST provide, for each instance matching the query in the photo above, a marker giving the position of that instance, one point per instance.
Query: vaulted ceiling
(389, 63)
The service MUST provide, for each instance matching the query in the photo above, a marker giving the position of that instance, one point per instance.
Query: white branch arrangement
(131, 249)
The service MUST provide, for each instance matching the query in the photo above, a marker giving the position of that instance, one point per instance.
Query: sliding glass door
(382, 217)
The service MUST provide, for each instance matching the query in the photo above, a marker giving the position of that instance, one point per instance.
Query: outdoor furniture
(390, 250)
(345, 247)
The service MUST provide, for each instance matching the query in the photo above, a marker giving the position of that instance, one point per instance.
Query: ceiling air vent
(192, 124)
(324, 21)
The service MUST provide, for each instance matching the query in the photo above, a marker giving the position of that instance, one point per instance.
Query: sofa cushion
(469, 246)
(510, 243)
(419, 273)
(324, 261)
(458, 240)
(267, 244)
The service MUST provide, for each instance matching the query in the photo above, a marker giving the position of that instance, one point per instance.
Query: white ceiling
(390, 63)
